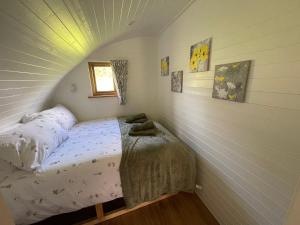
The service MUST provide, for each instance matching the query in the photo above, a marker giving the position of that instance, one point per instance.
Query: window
(102, 79)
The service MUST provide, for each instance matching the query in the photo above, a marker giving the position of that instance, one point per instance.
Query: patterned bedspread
(83, 171)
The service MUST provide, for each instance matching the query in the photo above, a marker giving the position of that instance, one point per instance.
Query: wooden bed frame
(101, 216)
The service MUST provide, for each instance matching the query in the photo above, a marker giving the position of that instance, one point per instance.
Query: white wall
(41, 41)
(293, 215)
(141, 54)
(249, 160)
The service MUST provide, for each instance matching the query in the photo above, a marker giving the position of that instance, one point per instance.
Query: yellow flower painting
(199, 56)
(164, 66)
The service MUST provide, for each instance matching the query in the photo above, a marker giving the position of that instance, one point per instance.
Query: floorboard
(181, 209)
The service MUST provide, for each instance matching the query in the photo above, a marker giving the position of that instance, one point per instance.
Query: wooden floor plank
(181, 209)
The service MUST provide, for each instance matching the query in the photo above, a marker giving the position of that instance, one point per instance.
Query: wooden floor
(181, 209)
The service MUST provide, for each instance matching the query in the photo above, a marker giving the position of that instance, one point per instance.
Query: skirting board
(101, 216)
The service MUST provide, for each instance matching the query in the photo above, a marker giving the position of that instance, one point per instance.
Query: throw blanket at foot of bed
(154, 165)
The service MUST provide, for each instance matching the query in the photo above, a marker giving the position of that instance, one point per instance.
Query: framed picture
(200, 56)
(231, 80)
(176, 81)
(164, 66)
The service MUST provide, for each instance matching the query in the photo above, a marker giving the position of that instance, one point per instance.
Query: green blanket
(154, 165)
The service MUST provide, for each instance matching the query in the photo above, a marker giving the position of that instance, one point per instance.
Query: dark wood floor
(181, 209)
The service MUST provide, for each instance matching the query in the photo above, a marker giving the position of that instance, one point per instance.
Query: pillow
(28, 145)
(29, 117)
(61, 114)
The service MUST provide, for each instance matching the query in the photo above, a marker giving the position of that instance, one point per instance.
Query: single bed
(83, 171)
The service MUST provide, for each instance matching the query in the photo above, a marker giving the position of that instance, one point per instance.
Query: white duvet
(83, 171)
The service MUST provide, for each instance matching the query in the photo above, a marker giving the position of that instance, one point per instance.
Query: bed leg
(99, 211)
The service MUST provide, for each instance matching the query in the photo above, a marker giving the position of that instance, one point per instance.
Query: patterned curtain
(120, 71)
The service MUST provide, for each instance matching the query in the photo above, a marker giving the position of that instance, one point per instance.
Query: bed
(85, 170)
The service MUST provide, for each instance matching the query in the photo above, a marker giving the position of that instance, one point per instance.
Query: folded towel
(140, 120)
(150, 132)
(137, 117)
(144, 126)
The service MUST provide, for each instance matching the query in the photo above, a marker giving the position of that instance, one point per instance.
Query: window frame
(96, 93)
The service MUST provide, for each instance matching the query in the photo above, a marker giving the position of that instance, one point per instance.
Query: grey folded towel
(144, 126)
(138, 118)
(149, 132)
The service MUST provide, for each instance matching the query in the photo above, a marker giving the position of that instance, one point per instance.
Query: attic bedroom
(154, 112)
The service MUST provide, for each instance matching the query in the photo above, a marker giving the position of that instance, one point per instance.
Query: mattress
(83, 171)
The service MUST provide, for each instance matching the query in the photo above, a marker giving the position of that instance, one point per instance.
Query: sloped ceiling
(41, 40)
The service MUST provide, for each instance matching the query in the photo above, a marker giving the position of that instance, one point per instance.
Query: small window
(102, 79)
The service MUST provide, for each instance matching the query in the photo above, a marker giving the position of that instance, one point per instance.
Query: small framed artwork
(176, 81)
(231, 80)
(164, 66)
(200, 56)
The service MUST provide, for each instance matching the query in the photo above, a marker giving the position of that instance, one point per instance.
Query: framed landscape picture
(200, 56)
(164, 66)
(176, 81)
(231, 80)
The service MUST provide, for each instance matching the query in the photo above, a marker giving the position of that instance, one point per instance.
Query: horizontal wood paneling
(249, 159)
(41, 41)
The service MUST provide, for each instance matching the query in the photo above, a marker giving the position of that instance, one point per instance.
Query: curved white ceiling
(41, 40)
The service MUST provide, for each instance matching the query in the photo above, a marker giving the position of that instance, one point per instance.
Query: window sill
(102, 96)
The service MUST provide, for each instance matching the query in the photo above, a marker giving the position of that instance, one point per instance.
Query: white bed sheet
(83, 171)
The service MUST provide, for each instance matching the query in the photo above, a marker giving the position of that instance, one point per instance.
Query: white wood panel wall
(141, 53)
(293, 217)
(249, 153)
(41, 41)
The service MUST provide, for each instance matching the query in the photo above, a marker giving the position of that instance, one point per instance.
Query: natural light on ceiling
(59, 26)
(104, 79)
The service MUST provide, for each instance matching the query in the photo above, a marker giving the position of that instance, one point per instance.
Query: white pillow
(28, 145)
(61, 114)
(29, 117)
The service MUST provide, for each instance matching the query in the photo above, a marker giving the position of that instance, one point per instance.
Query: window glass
(104, 79)
(101, 77)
